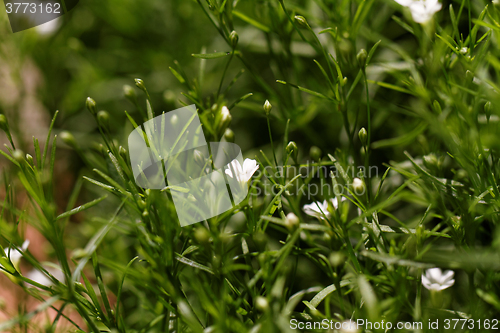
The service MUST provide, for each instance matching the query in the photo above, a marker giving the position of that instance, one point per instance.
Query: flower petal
(434, 274)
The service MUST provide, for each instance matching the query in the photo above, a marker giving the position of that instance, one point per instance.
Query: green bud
(129, 93)
(487, 110)
(361, 57)
(174, 120)
(315, 153)
(91, 106)
(302, 22)
(358, 186)
(140, 84)
(103, 119)
(336, 258)
(18, 155)
(169, 96)
(4, 125)
(68, 139)
(261, 304)
(29, 158)
(363, 136)
(469, 76)
(202, 235)
(229, 135)
(233, 37)
(437, 107)
(431, 160)
(292, 150)
(123, 153)
(199, 158)
(267, 107)
(225, 119)
(142, 204)
(292, 221)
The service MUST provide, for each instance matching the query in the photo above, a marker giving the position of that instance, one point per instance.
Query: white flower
(41, 278)
(435, 279)
(14, 255)
(243, 174)
(320, 209)
(421, 10)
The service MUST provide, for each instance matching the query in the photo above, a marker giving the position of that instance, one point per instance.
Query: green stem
(368, 142)
(224, 73)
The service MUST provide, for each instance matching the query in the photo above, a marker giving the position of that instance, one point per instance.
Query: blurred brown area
(20, 81)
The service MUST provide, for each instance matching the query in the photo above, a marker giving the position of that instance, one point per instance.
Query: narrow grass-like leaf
(210, 55)
(81, 208)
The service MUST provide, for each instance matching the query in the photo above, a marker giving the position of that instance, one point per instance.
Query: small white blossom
(41, 278)
(435, 279)
(320, 209)
(421, 10)
(14, 255)
(243, 173)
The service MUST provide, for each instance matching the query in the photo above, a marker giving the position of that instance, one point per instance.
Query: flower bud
(199, 158)
(229, 135)
(301, 21)
(363, 136)
(225, 117)
(431, 160)
(129, 93)
(469, 76)
(4, 125)
(437, 107)
(233, 38)
(91, 106)
(29, 158)
(358, 186)
(361, 57)
(18, 155)
(315, 153)
(267, 107)
(123, 153)
(174, 120)
(140, 84)
(202, 235)
(261, 304)
(169, 96)
(336, 259)
(487, 110)
(68, 139)
(103, 119)
(292, 150)
(292, 221)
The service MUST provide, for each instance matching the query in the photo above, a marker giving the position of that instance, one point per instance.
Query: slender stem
(224, 73)
(368, 141)
(272, 145)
